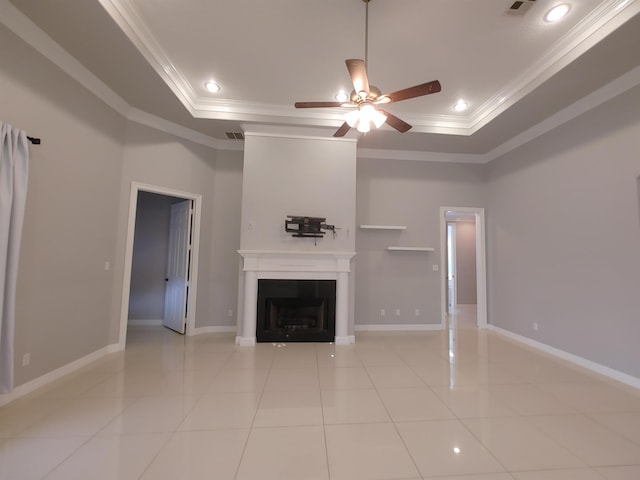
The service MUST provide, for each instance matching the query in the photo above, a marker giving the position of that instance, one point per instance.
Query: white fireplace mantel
(294, 265)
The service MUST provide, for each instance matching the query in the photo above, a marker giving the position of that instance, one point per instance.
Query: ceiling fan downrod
(366, 32)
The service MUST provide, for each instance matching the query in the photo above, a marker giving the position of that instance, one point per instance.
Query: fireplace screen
(296, 310)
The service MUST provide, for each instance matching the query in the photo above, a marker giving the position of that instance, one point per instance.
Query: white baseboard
(144, 322)
(246, 341)
(575, 359)
(56, 374)
(410, 327)
(347, 340)
(214, 329)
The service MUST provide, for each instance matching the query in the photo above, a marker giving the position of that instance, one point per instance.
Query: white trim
(391, 327)
(294, 265)
(594, 27)
(28, 31)
(158, 123)
(345, 340)
(246, 341)
(294, 132)
(591, 29)
(611, 90)
(607, 17)
(128, 253)
(144, 322)
(422, 156)
(575, 359)
(214, 329)
(56, 374)
(481, 263)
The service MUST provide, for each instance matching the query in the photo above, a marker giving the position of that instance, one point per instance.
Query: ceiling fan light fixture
(363, 127)
(352, 118)
(364, 117)
(365, 96)
(557, 12)
(378, 118)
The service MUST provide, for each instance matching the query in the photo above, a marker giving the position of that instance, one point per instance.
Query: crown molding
(375, 153)
(620, 85)
(127, 18)
(594, 27)
(293, 132)
(166, 126)
(25, 29)
(603, 20)
(30, 33)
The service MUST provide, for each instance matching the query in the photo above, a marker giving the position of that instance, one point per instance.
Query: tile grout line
(253, 420)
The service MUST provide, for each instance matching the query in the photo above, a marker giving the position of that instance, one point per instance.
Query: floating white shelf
(411, 249)
(383, 227)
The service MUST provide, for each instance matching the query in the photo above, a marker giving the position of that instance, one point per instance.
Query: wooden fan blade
(358, 72)
(318, 104)
(342, 131)
(417, 91)
(396, 122)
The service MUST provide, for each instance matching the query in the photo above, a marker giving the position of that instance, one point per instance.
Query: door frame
(137, 187)
(481, 263)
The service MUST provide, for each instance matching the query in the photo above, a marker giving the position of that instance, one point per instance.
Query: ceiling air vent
(520, 7)
(234, 135)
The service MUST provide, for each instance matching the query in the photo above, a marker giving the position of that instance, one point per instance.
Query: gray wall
(394, 192)
(466, 263)
(312, 177)
(222, 273)
(64, 292)
(150, 250)
(155, 158)
(562, 211)
(68, 304)
(564, 240)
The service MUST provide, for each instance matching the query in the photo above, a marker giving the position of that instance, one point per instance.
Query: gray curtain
(14, 171)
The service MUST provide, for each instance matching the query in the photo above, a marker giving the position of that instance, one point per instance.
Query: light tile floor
(457, 404)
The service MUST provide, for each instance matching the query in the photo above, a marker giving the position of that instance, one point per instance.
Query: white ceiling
(514, 71)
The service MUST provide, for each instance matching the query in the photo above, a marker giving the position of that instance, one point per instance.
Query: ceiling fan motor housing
(373, 94)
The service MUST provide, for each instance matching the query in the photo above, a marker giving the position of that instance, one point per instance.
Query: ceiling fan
(366, 98)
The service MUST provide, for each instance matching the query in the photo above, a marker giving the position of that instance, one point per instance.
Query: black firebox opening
(296, 311)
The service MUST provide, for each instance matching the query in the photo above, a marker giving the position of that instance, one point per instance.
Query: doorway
(463, 264)
(171, 297)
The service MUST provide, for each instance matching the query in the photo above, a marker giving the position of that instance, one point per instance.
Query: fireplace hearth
(296, 310)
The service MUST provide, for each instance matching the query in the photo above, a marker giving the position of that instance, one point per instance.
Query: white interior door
(451, 267)
(178, 259)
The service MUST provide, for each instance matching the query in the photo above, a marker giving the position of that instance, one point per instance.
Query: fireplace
(296, 310)
(259, 265)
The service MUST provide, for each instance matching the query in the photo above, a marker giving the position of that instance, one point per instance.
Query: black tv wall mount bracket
(308, 227)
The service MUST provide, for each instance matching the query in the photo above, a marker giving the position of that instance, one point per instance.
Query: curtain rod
(33, 140)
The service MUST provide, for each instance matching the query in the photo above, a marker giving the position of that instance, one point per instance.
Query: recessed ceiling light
(342, 96)
(557, 12)
(213, 87)
(460, 106)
